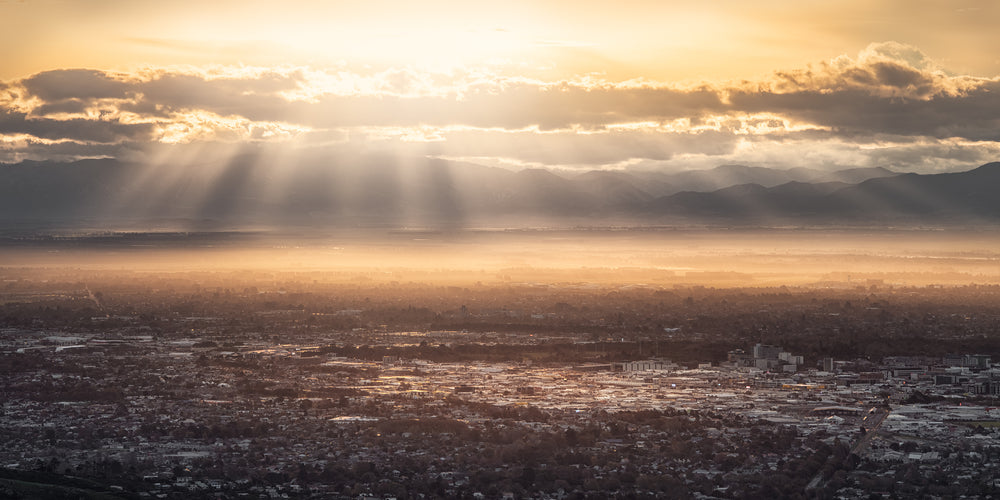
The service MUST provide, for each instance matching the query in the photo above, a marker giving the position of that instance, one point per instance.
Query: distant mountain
(732, 175)
(852, 175)
(654, 183)
(658, 184)
(613, 188)
(912, 198)
(40, 190)
(789, 200)
(937, 196)
(329, 191)
(248, 190)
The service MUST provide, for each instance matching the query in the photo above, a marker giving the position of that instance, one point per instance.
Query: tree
(571, 437)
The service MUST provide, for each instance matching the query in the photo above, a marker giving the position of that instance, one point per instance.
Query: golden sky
(910, 85)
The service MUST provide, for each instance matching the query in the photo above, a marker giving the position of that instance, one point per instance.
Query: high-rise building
(828, 364)
(765, 351)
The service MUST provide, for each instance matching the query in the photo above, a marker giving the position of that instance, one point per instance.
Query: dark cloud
(70, 106)
(254, 95)
(62, 84)
(889, 89)
(902, 76)
(146, 109)
(78, 129)
(973, 116)
(66, 150)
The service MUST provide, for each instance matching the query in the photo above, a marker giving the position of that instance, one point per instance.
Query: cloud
(974, 115)
(885, 70)
(79, 84)
(64, 106)
(99, 131)
(933, 157)
(516, 105)
(889, 94)
(224, 95)
(568, 147)
(23, 147)
(889, 88)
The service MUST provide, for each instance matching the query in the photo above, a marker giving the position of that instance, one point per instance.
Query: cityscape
(163, 385)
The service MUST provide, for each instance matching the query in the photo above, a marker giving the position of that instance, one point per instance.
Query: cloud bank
(889, 106)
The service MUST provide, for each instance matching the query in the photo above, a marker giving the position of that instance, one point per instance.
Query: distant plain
(653, 256)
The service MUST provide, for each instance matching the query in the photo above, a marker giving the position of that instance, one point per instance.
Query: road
(872, 423)
(94, 298)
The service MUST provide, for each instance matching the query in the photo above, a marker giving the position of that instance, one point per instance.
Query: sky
(567, 85)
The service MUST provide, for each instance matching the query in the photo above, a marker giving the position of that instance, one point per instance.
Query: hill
(250, 191)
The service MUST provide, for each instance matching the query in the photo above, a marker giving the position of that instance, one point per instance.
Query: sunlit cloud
(886, 70)
(208, 127)
(888, 103)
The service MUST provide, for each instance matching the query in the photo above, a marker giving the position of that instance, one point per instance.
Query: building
(648, 365)
(765, 351)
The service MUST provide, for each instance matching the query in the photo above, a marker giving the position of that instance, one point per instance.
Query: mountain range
(252, 191)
